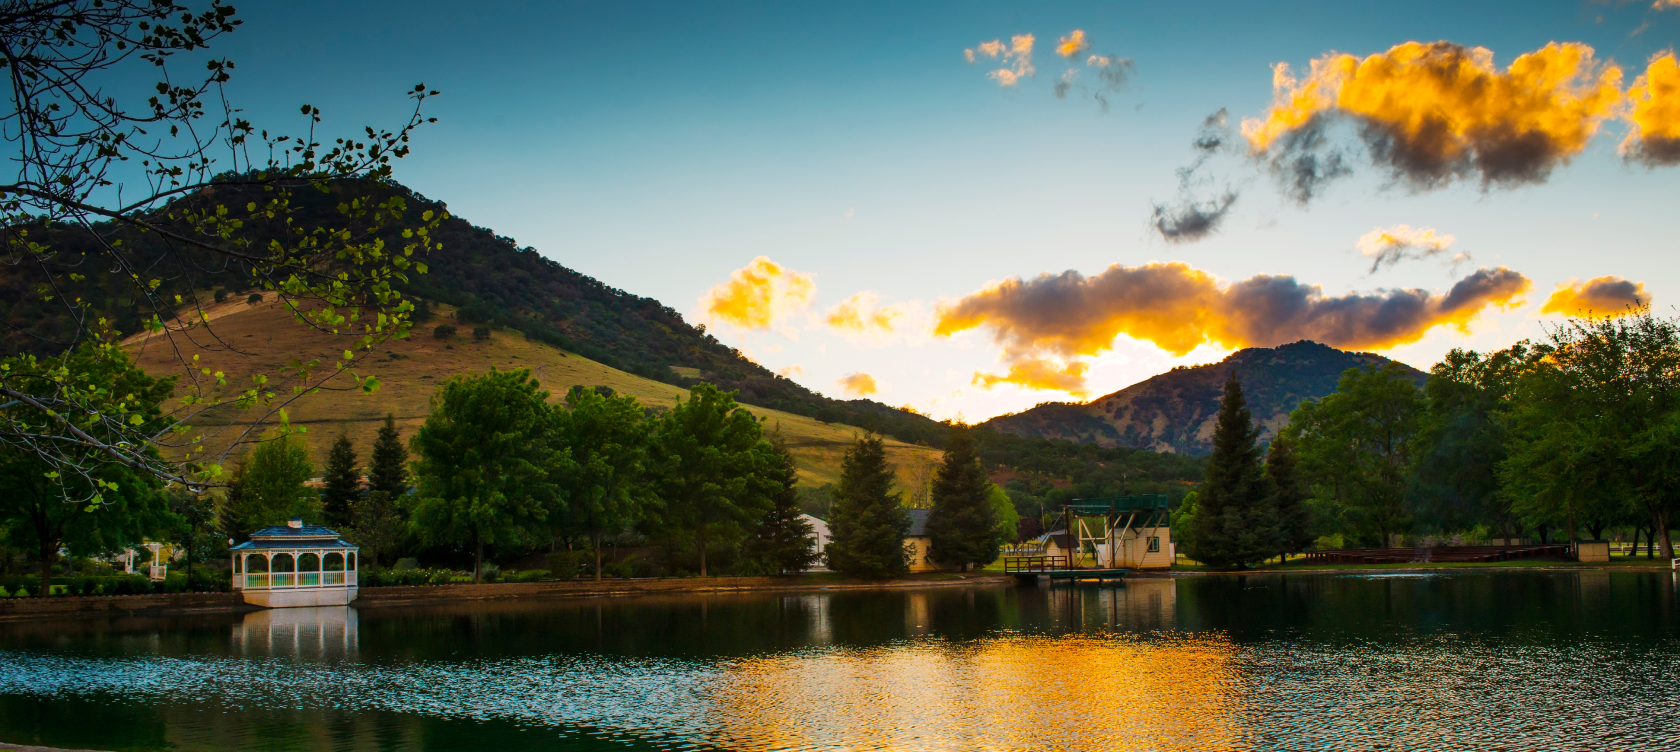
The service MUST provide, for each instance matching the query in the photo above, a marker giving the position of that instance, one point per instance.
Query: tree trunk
(595, 538)
(47, 556)
(702, 539)
(478, 560)
(1667, 541)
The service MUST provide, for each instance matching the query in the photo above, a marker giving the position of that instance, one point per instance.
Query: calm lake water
(1489, 660)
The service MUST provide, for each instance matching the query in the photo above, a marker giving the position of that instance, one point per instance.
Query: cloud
(1601, 296)
(1431, 113)
(1654, 113)
(1017, 57)
(858, 384)
(1178, 308)
(1188, 217)
(1069, 79)
(1191, 220)
(859, 315)
(1401, 242)
(1039, 374)
(1112, 75)
(1072, 44)
(758, 295)
(789, 372)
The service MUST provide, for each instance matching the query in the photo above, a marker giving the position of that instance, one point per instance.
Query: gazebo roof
(292, 543)
(294, 534)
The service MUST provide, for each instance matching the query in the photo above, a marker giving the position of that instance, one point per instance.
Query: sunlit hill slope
(243, 340)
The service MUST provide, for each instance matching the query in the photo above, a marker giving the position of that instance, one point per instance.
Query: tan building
(1127, 532)
(918, 542)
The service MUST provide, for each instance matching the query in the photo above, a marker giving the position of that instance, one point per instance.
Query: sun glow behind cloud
(1601, 296)
(1045, 326)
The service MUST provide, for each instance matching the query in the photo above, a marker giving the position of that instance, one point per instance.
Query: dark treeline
(498, 473)
(1572, 437)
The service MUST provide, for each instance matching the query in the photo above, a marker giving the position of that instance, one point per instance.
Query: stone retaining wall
(62, 606)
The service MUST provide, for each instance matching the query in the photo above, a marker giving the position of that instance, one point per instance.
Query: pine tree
(1294, 520)
(783, 542)
(870, 521)
(1235, 524)
(376, 526)
(341, 484)
(388, 472)
(963, 523)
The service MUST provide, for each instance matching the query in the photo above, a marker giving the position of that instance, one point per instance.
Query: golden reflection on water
(1112, 687)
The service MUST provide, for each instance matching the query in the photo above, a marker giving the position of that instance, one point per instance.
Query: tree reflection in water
(1573, 659)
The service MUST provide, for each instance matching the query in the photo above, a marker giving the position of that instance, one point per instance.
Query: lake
(1485, 659)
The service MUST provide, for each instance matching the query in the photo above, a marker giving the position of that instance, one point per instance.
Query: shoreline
(5, 747)
(19, 609)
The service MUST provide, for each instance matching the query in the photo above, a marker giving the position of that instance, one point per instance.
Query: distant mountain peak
(1174, 411)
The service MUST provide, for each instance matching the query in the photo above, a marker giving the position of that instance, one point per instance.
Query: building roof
(1058, 537)
(294, 543)
(294, 534)
(918, 522)
(817, 526)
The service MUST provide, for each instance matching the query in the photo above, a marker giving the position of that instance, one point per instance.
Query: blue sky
(661, 146)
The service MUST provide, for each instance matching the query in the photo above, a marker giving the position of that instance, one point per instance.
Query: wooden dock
(1030, 568)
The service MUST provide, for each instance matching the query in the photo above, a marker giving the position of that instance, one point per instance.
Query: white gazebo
(295, 565)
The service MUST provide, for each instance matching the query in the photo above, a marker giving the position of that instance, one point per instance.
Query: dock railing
(1030, 564)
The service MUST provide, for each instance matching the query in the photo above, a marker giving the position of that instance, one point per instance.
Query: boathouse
(295, 565)
(1130, 532)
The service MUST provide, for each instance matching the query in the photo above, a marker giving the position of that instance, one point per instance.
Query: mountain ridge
(1175, 411)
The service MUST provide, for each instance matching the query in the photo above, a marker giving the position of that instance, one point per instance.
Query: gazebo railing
(308, 578)
(274, 580)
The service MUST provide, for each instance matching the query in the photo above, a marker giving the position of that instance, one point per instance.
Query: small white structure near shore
(295, 565)
(820, 545)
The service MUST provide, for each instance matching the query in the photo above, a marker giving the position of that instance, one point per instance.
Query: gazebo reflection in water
(295, 565)
(318, 632)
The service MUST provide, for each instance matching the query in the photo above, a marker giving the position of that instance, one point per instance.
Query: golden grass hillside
(243, 340)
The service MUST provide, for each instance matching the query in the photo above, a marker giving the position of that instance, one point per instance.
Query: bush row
(202, 580)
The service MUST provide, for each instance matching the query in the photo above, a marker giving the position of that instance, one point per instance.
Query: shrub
(21, 593)
(481, 333)
(406, 564)
(254, 298)
(3, 593)
(207, 579)
(443, 331)
(565, 564)
(634, 566)
(529, 575)
(176, 582)
(221, 295)
(411, 577)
